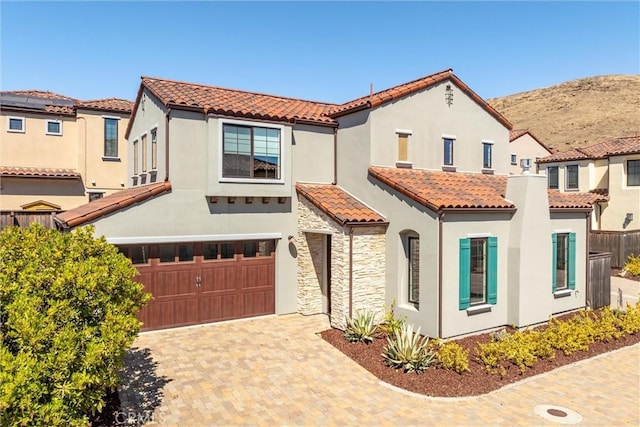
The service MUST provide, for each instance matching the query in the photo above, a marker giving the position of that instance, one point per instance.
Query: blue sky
(326, 51)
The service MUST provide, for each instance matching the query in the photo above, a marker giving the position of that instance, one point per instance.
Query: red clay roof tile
(27, 172)
(446, 190)
(611, 147)
(108, 104)
(211, 99)
(558, 200)
(111, 203)
(338, 204)
(39, 94)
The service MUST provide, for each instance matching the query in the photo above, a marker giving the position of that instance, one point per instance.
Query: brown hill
(577, 113)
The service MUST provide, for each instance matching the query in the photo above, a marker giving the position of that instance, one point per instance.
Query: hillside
(577, 113)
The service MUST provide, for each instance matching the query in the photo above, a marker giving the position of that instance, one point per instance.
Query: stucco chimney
(530, 298)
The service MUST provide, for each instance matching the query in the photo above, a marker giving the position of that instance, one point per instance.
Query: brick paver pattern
(277, 371)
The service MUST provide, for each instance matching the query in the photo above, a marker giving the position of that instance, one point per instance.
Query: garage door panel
(258, 303)
(175, 313)
(219, 278)
(173, 284)
(257, 275)
(216, 308)
(146, 280)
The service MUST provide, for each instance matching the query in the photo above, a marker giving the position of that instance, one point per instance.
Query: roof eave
(478, 210)
(36, 111)
(570, 210)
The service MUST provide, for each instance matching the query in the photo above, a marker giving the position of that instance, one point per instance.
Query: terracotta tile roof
(558, 200)
(397, 92)
(211, 99)
(39, 94)
(109, 204)
(446, 190)
(338, 204)
(611, 147)
(108, 104)
(27, 172)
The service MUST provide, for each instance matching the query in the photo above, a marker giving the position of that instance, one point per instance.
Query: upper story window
(110, 137)
(251, 152)
(514, 159)
(54, 127)
(448, 151)
(154, 149)
(633, 173)
(571, 177)
(563, 261)
(144, 152)
(135, 157)
(486, 155)
(15, 124)
(552, 177)
(413, 244)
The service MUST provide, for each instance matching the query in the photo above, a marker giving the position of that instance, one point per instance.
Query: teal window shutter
(465, 273)
(572, 260)
(554, 260)
(492, 270)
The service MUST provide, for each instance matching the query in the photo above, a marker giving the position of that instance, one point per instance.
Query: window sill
(110, 159)
(449, 168)
(53, 134)
(478, 309)
(15, 131)
(409, 306)
(488, 171)
(403, 164)
(252, 181)
(563, 293)
(571, 189)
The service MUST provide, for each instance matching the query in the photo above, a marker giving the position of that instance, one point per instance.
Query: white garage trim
(192, 238)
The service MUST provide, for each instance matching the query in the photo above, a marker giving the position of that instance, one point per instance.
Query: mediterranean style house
(58, 152)
(611, 168)
(242, 204)
(525, 147)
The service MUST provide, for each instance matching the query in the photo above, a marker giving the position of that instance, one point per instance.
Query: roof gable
(515, 134)
(611, 147)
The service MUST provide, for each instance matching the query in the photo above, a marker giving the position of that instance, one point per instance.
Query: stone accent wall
(369, 262)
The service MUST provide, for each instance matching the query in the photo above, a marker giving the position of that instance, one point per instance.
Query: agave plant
(361, 327)
(408, 350)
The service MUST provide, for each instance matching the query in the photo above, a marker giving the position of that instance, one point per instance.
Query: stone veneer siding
(368, 265)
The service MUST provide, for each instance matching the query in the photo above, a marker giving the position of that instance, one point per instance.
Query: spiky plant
(408, 351)
(361, 327)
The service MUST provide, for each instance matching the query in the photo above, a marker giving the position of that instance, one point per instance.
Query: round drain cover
(558, 414)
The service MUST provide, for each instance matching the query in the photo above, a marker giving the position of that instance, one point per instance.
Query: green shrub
(629, 319)
(407, 350)
(361, 327)
(391, 323)
(67, 317)
(574, 334)
(451, 355)
(606, 325)
(632, 266)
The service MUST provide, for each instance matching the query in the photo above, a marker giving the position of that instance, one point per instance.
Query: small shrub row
(632, 266)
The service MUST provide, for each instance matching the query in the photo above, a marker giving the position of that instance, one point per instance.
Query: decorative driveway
(276, 371)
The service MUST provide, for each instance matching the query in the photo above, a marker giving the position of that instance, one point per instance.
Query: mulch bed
(447, 383)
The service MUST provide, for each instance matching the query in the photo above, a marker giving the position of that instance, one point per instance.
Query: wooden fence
(619, 243)
(599, 293)
(25, 218)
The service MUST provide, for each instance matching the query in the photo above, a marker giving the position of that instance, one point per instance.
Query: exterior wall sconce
(629, 217)
(290, 238)
(448, 95)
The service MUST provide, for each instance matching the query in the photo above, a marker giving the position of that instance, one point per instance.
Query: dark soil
(617, 271)
(447, 383)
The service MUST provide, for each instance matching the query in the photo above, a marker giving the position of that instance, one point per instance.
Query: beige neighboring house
(610, 168)
(58, 152)
(525, 147)
(243, 204)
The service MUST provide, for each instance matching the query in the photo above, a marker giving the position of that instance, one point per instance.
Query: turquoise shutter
(465, 273)
(492, 270)
(572, 260)
(554, 260)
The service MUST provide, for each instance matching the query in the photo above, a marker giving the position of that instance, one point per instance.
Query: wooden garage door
(194, 283)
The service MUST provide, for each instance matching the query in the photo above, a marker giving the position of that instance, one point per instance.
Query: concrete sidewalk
(623, 292)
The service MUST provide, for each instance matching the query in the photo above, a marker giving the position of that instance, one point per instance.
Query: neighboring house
(57, 152)
(525, 146)
(243, 204)
(611, 168)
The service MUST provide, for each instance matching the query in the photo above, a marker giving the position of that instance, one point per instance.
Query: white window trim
(111, 117)
(221, 123)
(511, 159)
(625, 174)
(447, 136)
(478, 309)
(404, 131)
(479, 235)
(563, 231)
(565, 292)
(488, 141)
(453, 139)
(566, 178)
(22, 119)
(151, 168)
(46, 127)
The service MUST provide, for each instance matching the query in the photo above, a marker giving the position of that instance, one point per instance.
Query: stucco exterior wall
(428, 117)
(584, 178)
(624, 199)
(525, 147)
(66, 193)
(312, 154)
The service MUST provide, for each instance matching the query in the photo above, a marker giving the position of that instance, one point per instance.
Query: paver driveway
(277, 371)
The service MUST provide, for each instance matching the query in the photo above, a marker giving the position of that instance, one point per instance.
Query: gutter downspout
(166, 145)
(587, 286)
(335, 156)
(440, 220)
